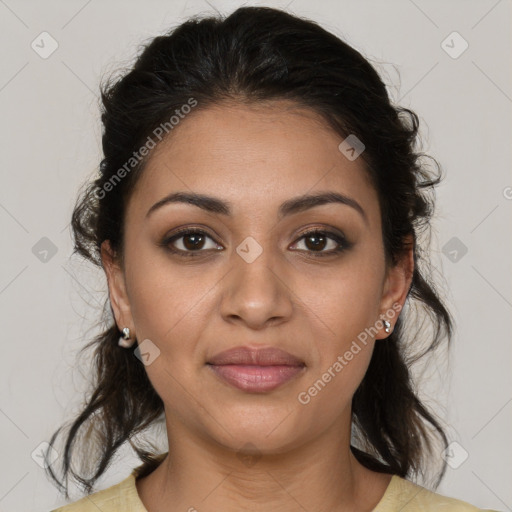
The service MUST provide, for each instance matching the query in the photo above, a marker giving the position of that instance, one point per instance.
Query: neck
(199, 474)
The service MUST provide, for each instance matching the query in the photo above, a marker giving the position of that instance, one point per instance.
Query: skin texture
(255, 158)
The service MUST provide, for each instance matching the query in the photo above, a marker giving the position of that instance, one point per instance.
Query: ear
(117, 288)
(396, 287)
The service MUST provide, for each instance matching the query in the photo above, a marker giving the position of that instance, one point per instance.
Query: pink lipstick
(256, 370)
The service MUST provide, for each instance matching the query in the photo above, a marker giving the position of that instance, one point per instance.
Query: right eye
(188, 241)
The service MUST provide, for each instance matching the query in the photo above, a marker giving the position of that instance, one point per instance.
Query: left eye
(319, 241)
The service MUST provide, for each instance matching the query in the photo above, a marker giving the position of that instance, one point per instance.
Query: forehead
(263, 153)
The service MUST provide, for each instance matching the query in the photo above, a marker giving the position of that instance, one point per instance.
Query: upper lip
(266, 356)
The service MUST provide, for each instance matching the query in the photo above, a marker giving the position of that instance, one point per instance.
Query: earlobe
(116, 286)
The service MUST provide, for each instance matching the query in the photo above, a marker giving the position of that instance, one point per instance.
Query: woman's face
(251, 278)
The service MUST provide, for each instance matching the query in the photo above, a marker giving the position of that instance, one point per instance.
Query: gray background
(51, 133)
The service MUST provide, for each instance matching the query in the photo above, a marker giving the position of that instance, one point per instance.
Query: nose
(257, 293)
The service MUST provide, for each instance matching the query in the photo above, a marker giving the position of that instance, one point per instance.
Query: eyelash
(343, 244)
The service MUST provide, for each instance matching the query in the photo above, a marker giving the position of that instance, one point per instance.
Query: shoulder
(122, 496)
(407, 496)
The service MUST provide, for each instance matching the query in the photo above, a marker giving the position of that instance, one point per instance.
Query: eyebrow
(289, 207)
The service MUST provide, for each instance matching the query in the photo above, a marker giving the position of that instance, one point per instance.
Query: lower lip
(255, 378)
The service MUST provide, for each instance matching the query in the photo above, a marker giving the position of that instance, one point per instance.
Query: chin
(270, 432)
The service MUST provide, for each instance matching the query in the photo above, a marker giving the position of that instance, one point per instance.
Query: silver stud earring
(387, 326)
(124, 340)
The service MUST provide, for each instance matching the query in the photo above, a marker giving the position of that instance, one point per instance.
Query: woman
(257, 216)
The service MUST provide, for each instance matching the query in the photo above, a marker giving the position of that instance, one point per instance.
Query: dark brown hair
(254, 55)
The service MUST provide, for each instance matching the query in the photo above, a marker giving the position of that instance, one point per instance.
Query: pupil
(318, 241)
(196, 239)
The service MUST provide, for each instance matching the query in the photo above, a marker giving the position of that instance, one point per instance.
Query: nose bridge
(256, 290)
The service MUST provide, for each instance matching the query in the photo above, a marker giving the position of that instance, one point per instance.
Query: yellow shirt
(401, 495)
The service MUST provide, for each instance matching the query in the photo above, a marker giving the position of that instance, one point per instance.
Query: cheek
(342, 342)
(171, 309)
(168, 305)
(341, 312)
(346, 300)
